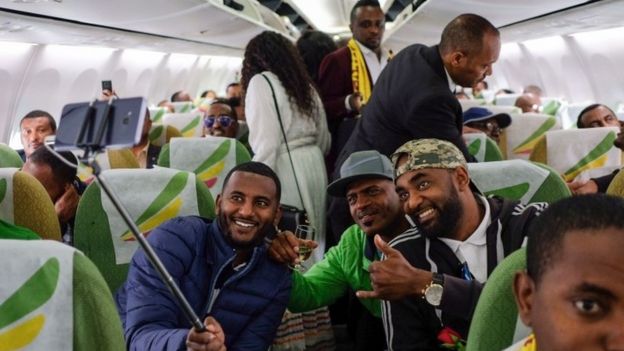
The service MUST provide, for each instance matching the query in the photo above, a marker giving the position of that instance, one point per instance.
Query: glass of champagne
(303, 232)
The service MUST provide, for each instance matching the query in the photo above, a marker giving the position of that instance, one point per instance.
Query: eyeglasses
(224, 121)
(491, 127)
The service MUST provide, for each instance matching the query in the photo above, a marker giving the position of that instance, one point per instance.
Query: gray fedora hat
(360, 165)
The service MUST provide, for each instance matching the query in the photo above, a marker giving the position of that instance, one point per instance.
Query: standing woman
(272, 55)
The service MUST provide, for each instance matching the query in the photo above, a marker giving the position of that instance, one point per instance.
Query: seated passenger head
(180, 96)
(533, 89)
(486, 121)
(34, 127)
(366, 181)
(433, 185)
(368, 23)
(233, 90)
(528, 103)
(572, 293)
(597, 115)
(54, 174)
(248, 206)
(208, 94)
(469, 46)
(167, 104)
(479, 87)
(220, 120)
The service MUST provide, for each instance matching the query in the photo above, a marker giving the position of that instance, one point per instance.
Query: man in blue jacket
(221, 267)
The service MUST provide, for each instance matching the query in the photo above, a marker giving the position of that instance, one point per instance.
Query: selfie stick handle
(149, 252)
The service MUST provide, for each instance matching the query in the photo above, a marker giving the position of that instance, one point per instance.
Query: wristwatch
(433, 291)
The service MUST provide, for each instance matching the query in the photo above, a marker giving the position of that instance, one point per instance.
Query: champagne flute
(303, 232)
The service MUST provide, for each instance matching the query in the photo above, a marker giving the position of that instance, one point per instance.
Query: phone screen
(107, 85)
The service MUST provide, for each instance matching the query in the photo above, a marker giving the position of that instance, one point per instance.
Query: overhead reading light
(233, 4)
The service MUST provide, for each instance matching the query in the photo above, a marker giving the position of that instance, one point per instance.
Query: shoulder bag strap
(279, 118)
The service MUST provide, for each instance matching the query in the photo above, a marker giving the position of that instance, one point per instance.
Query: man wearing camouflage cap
(434, 277)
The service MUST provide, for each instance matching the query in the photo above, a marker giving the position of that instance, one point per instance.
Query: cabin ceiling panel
(425, 25)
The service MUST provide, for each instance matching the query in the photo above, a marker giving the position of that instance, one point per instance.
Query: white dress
(308, 140)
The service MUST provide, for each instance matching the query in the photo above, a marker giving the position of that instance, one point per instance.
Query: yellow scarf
(529, 344)
(359, 74)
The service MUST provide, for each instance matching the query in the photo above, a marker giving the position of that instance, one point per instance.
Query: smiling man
(440, 269)
(221, 267)
(220, 120)
(572, 292)
(366, 182)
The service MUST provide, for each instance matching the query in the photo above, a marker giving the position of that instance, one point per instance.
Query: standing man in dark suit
(346, 76)
(413, 97)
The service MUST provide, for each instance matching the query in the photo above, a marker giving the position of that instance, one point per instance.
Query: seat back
(9, 157)
(509, 109)
(466, 104)
(26, 203)
(161, 134)
(182, 106)
(518, 180)
(506, 99)
(210, 158)
(189, 124)
(525, 131)
(495, 325)
(151, 196)
(573, 151)
(483, 148)
(616, 187)
(157, 113)
(53, 298)
(111, 159)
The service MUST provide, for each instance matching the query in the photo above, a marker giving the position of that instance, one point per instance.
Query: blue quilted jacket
(249, 306)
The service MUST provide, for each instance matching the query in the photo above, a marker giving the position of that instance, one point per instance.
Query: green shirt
(344, 265)
(11, 231)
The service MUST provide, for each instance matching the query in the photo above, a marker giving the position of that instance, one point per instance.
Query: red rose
(451, 339)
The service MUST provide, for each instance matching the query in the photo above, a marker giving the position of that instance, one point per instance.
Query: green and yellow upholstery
(182, 106)
(110, 159)
(482, 148)
(53, 298)
(189, 124)
(495, 324)
(573, 151)
(210, 158)
(157, 113)
(26, 203)
(161, 134)
(518, 180)
(525, 132)
(151, 196)
(616, 187)
(9, 157)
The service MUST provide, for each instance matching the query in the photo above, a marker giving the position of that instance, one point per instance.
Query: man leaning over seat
(434, 277)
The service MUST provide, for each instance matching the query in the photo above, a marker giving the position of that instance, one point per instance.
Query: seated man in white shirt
(433, 277)
(572, 293)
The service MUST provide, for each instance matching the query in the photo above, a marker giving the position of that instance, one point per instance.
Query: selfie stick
(94, 148)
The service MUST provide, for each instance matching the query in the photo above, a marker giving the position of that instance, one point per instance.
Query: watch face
(433, 294)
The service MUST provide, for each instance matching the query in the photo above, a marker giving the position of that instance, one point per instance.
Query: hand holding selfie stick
(91, 150)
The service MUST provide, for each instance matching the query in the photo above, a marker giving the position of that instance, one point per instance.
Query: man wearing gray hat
(366, 182)
(433, 277)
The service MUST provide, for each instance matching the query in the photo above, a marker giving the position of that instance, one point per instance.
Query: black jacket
(411, 100)
(411, 323)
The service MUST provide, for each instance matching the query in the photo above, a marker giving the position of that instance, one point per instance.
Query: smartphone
(107, 85)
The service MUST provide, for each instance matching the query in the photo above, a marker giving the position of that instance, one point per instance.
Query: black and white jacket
(413, 324)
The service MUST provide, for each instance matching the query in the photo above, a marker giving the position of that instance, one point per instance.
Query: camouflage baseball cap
(427, 153)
